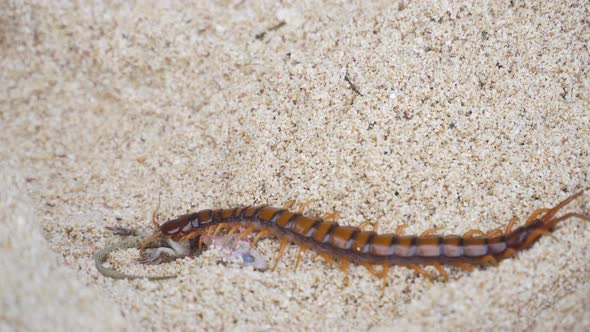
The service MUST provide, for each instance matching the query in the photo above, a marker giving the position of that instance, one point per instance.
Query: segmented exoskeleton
(343, 244)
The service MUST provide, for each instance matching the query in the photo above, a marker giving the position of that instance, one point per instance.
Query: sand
(457, 115)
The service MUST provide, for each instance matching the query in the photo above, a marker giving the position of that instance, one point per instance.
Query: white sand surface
(465, 115)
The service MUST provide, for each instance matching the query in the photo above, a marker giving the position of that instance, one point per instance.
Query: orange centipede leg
(330, 217)
(289, 204)
(463, 266)
(553, 223)
(559, 206)
(534, 215)
(245, 233)
(473, 232)
(344, 268)
(230, 233)
(535, 235)
(494, 232)
(421, 271)
(489, 259)
(375, 226)
(510, 225)
(303, 205)
(284, 244)
(302, 248)
(441, 271)
(261, 234)
(383, 276)
(508, 253)
(328, 258)
(364, 225)
(400, 230)
(430, 231)
(371, 269)
(200, 244)
(219, 228)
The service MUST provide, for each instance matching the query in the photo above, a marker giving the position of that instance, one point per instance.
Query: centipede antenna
(155, 213)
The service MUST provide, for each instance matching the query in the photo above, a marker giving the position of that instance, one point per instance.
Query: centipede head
(181, 228)
(176, 229)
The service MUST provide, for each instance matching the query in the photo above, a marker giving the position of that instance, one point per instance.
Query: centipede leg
(230, 233)
(371, 269)
(534, 215)
(535, 235)
(473, 232)
(494, 232)
(344, 268)
(430, 231)
(219, 228)
(400, 230)
(553, 223)
(383, 277)
(261, 234)
(303, 205)
(328, 258)
(463, 266)
(289, 204)
(489, 259)
(559, 206)
(508, 253)
(362, 226)
(330, 217)
(510, 225)
(441, 271)
(200, 244)
(421, 271)
(245, 233)
(302, 248)
(284, 244)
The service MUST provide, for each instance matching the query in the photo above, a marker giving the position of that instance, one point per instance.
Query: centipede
(341, 245)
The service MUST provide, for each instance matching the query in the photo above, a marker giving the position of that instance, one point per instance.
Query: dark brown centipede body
(347, 241)
(368, 248)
